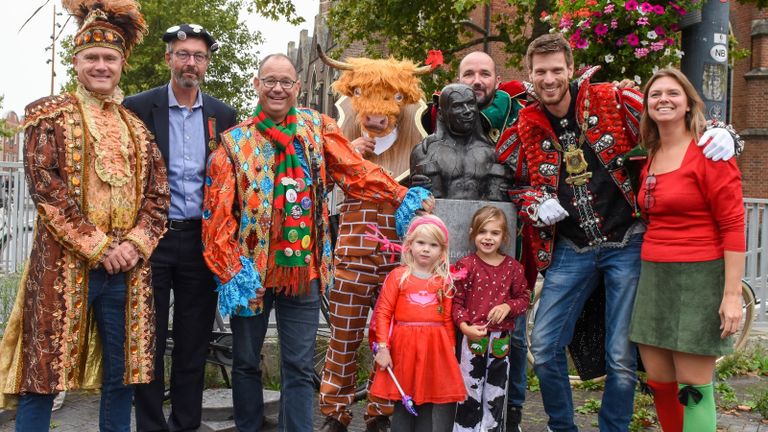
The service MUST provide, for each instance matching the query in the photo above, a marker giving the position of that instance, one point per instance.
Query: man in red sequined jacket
(568, 150)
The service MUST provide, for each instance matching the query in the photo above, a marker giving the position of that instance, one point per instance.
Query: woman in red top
(688, 299)
(414, 332)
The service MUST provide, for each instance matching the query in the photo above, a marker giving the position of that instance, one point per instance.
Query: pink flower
(641, 52)
(620, 42)
(601, 29)
(658, 9)
(609, 8)
(657, 46)
(565, 23)
(575, 36)
(614, 24)
(586, 24)
(646, 7)
(632, 39)
(643, 21)
(630, 5)
(670, 41)
(582, 43)
(660, 30)
(674, 27)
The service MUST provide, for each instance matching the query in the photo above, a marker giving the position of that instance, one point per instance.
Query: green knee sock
(699, 413)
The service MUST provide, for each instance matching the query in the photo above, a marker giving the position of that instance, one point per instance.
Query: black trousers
(177, 264)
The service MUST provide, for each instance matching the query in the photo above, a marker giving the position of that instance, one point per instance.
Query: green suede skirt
(676, 307)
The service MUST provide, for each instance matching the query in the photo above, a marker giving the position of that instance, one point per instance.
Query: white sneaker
(58, 402)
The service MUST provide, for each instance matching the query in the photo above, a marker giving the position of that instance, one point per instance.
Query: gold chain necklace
(575, 164)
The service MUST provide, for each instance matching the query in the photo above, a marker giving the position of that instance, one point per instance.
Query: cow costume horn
(340, 65)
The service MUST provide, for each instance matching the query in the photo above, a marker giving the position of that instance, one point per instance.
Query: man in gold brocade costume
(84, 316)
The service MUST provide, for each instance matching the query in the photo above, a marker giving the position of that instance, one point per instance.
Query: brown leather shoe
(332, 425)
(378, 424)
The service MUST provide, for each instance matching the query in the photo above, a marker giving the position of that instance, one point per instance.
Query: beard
(185, 81)
(555, 99)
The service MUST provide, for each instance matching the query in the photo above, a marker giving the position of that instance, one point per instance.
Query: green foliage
(590, 406)
(277, 10)
(750, 361)
(590, 385)
(9, 284)
(533, 381)
(624, 38)
(5, 130)
(642, 419)
(727, 398)
(760, 399)
(231, 68)
(410, 28)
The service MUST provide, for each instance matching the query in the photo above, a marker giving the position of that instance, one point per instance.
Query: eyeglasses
(650, 184)
(184, 56)
(271, 83)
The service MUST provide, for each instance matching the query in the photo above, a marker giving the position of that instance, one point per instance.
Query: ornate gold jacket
(96, 178)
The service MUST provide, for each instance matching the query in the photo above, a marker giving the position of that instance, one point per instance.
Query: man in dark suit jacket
(186, 124)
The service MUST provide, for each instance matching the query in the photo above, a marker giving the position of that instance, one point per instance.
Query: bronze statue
(457, 161)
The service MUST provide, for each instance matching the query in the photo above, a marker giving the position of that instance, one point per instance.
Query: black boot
(514, 418)
(332, 425)
(378, 424)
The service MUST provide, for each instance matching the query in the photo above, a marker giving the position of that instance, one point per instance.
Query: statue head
(458, 109)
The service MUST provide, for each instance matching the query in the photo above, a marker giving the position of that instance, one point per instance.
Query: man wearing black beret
(186, 124)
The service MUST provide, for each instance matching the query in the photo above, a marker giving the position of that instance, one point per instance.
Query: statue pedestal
(457, 215)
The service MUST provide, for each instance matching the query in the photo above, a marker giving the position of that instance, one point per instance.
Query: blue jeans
(518, 364)
(567, 285)
(297, 322)
(106, 298)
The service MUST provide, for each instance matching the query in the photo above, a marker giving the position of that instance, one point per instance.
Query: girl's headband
(428, 220)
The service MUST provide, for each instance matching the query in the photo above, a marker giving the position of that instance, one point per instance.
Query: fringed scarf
(292, 221)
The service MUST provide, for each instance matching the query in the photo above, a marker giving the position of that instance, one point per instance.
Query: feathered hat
(116, 24)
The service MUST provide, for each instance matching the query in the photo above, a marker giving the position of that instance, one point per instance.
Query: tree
(232, 66)
(410, 28)
(5, 130)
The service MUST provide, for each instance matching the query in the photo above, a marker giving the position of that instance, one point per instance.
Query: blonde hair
(695, 122)
(431, 227)
(486, 215)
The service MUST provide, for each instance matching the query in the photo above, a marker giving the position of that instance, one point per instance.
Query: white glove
(719, 144)
(550, 212)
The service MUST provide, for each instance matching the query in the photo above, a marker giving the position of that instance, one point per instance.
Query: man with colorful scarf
(266, 235)
(84, 317)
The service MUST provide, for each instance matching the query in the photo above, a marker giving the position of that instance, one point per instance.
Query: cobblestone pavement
(80, 410)
(80, 414)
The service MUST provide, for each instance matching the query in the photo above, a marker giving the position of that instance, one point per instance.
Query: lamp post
(705, 62)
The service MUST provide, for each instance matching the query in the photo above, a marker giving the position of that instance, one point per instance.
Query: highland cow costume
(371, 89)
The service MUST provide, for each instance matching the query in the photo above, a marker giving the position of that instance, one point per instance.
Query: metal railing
(756, 271)
(17, 217)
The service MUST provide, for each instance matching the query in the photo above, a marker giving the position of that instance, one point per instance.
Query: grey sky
(25, 76)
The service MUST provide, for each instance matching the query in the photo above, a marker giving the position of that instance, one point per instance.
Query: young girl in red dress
(415, 335)
(487, 301)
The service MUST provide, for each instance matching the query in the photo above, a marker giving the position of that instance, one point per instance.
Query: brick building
(748, 94)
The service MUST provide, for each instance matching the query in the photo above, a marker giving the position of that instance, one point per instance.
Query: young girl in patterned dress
(414, 332)
(487, 301)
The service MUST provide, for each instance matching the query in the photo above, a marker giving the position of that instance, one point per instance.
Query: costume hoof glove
(718, 144)
(551, 212)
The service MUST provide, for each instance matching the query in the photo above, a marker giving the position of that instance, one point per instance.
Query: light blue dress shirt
(186, 154)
